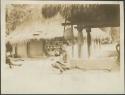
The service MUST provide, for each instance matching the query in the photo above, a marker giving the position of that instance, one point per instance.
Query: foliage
(16, 14)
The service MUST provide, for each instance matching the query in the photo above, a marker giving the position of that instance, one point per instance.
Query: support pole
(16, 51)
(88, 30)
(64, 28)
(28, 49)
(80, 39)
(72, 41)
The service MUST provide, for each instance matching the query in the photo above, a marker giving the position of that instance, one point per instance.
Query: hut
(25, 45)
(85, 16)
(29, 39)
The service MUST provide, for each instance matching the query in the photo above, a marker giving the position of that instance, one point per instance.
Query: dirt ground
(38, 76)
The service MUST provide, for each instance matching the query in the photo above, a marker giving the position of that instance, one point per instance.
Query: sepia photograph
(64, 47)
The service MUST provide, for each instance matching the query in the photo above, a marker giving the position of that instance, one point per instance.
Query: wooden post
(80, 39)
(28, 49)
(72, 42)
(88, 30)
(16, 51)
(64, 28)
(72, 32)
(44, 47)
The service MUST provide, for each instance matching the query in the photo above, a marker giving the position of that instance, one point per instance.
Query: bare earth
(38, 76)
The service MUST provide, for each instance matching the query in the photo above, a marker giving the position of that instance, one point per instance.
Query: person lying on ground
(62, 67)
(9, 62)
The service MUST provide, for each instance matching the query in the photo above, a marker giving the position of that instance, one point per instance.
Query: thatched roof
(36, 30)
(90, 15)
